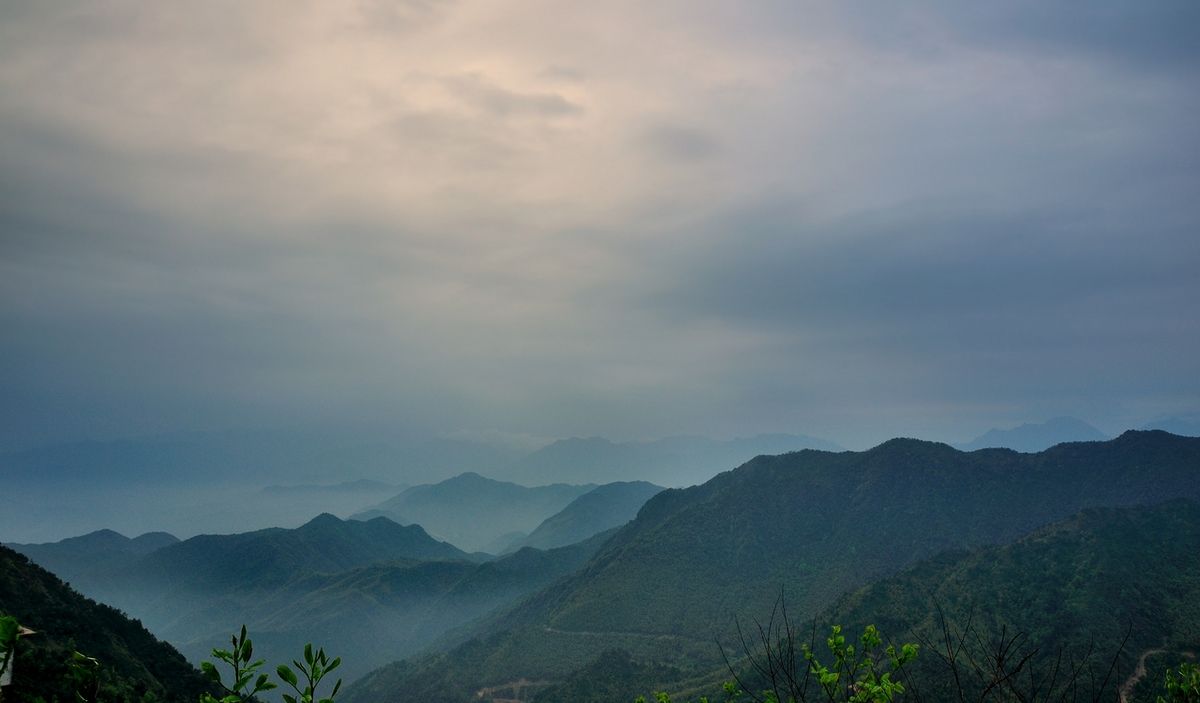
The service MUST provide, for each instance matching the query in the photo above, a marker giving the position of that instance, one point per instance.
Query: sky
(547, 219)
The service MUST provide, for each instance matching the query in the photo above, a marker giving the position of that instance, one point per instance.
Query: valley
(662, 577)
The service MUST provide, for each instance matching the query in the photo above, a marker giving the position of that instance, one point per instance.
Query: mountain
(1035, 437)
(136, 665)
(102, 549)
(370, 591)
(673, 461)
(211, 482)
(274, 556)
(1074, 585)
(600, 509)
(1080, 581)
(472, 511)
(1185, 425)
(815, 524)
(369, 608)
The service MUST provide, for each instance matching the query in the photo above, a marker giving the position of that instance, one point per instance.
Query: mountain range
(814, 524)
(100, 550)
(598, 510)
(672, 461)
(370, 590)
(1078, 587)
(472, 511)
(1036, 436)
(638, 606)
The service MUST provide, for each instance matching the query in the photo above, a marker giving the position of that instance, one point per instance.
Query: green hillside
(135, 666)
(822, 524)
(382, 612)
(603, 508)
(197, 591)
(814, 523)
(1076, 586)
(371, 591)
(271, 557)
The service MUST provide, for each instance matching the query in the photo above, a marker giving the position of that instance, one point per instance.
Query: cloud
(478, 92)
(615, 219)
(678, 143)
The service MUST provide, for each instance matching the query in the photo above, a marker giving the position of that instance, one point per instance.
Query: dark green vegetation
(603, 508)
(1181, 685)
(472, 511)
(373, 590)
(245, 682)
(132, 664)
(672, 461)
(99, 550)
(272, 557)
(1079, 587)
(816, 523)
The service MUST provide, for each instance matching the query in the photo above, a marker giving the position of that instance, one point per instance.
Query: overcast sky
(627, 219)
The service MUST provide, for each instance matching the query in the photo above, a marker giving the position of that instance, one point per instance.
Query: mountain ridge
(496, 508)
(820, 524)
(1036, 436)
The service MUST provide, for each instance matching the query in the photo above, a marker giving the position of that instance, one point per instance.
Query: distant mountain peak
(1037, 436)
(897, 444)
(104, 534)
(467, 476)
(322, 519)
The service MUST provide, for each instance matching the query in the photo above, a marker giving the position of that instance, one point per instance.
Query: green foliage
(1182, 685)
(1060, 599)
(858, 676)
(861, 673)
(314, 668)
(239, 657)
(10, 632)
(247, 682)
(85, 677)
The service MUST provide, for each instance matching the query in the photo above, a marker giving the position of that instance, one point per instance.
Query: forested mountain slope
(135, 666)
(600, 509)
(1077, 585)
(370, 591)
(816, 524)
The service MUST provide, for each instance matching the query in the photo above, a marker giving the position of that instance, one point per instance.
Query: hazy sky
(630, 219)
